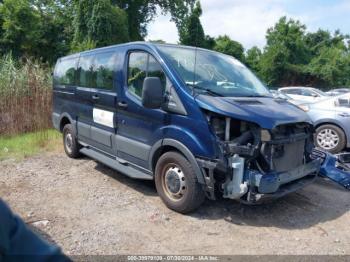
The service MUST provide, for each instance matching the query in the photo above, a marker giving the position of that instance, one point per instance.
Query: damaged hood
(267, 112)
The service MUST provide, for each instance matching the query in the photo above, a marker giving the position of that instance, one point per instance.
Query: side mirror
(152, 93)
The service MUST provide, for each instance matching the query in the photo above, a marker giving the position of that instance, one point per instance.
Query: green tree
(55, 28)
(226, 45)
(35, 28)
(252, 59)
(84, 45)
(141, 12)
(192, 32)
(20, 27)
(273, 65)
(320, 39)
(209, 42)
(331, 68)
(285, 54)
(99, 22)
(2, 50)
(291, 34)
(108, 24)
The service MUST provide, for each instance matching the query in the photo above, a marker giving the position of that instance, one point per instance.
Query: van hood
(267, 112)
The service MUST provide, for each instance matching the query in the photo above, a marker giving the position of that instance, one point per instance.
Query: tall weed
(25, 96)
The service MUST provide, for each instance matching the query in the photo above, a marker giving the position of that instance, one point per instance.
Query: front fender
(181, 148)
(200, 142)
(190, 145)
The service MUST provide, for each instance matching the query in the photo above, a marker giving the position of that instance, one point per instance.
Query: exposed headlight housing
(265, 135)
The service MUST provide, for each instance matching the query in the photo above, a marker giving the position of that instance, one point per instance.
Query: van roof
(149, 44)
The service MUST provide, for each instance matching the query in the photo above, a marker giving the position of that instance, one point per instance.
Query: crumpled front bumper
(274, 185)
(262, 187)
(330, 167)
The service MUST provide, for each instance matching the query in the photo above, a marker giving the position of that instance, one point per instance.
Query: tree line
(48, 29)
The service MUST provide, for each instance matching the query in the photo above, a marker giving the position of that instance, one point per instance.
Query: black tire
(71, 146)
(321, 132)
(193, 195)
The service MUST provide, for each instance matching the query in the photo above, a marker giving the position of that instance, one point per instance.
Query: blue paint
(141, 134)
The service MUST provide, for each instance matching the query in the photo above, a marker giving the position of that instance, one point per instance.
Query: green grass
(21, 146)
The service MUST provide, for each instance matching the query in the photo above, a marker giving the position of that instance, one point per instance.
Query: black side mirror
(152, 93)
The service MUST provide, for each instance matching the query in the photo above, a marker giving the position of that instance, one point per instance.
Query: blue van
(197, 122)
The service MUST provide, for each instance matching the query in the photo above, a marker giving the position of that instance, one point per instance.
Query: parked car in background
(331, 119)
(280, 95)
(338, 91)
(304, 94)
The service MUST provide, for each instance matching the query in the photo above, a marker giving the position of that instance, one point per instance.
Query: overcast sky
(247, 20)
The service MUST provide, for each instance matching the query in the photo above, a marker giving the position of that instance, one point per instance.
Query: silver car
(331, 117)
(304, 94)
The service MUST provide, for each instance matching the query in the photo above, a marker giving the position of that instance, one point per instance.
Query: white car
(304, 94)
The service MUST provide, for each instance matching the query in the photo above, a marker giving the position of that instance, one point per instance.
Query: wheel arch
(166, 145)
(65, 119)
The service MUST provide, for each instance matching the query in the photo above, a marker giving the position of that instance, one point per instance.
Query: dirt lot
(87, 208)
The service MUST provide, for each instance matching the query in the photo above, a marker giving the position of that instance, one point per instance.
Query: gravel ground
(87, 208)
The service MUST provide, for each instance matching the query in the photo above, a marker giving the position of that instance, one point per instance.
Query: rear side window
(104, 69)
(142, 65)
(86, 71)
(96, 71)
(65, 72)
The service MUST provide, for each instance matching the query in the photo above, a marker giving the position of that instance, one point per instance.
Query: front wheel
(177, 183)
(331, 138)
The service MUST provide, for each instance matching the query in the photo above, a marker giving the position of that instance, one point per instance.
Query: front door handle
(122, 104)
(95, 97)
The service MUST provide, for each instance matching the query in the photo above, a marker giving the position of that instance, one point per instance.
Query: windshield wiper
(207, 90)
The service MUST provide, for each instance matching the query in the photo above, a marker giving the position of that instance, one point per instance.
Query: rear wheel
(70, 143)
(177, 184)
(330, 138)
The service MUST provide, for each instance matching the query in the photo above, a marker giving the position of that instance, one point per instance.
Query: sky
(246, 21)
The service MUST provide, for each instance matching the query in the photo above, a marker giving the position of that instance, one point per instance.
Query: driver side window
(140, 66)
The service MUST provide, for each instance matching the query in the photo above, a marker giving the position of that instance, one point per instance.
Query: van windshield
(214, 73)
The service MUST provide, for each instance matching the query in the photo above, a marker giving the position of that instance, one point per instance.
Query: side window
(104, 69)
(142, 65)
(65, 72)
(86, 71)
(306, 92)
(293, 92)
(137, 72)
(155, 70)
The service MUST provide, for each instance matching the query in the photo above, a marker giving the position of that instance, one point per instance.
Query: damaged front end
(257, 164)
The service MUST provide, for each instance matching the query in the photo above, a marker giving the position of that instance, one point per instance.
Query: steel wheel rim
(328, 139)
(69, 142)
(174, 182)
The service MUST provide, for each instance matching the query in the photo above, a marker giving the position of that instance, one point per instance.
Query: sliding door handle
(122, 104)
